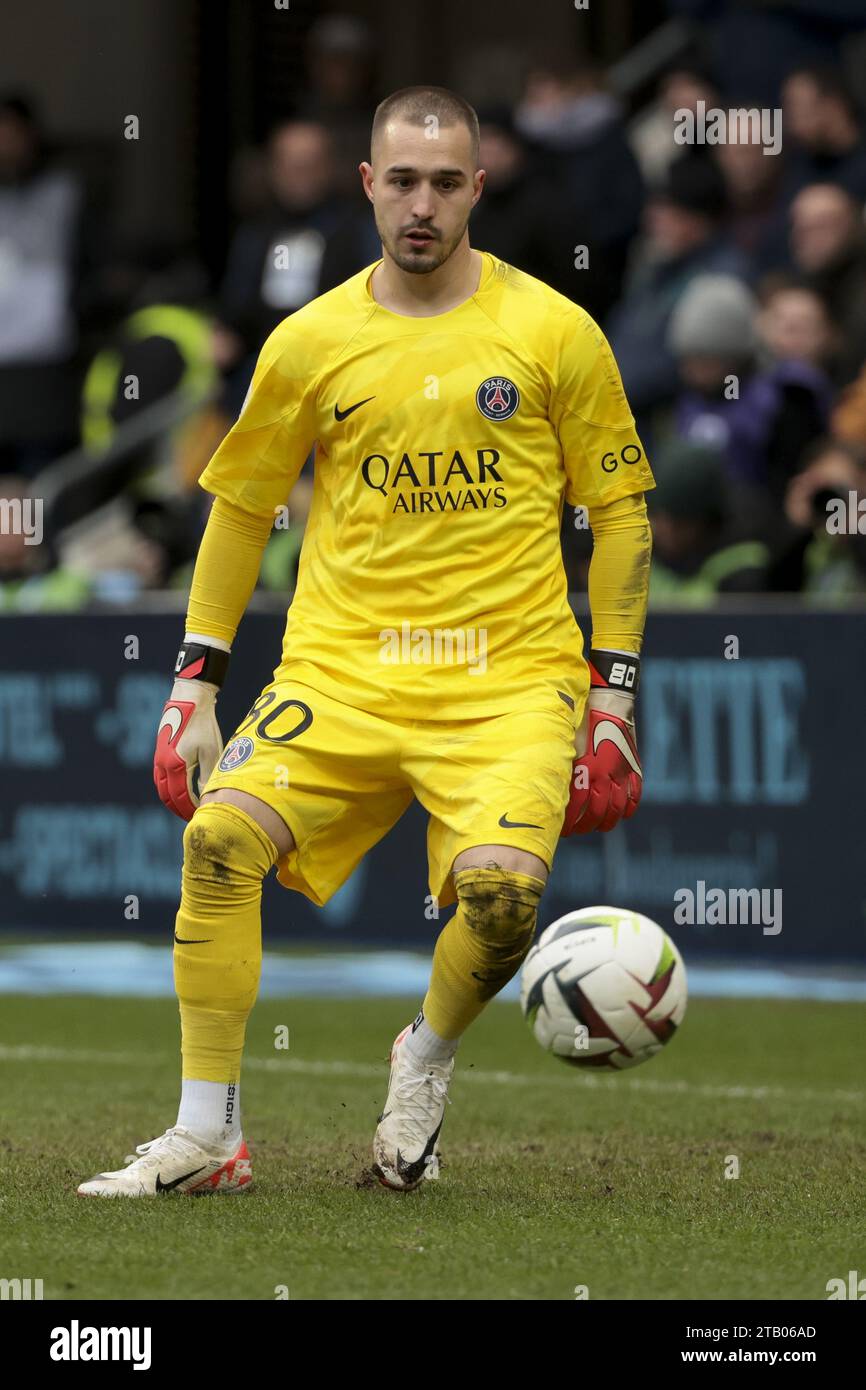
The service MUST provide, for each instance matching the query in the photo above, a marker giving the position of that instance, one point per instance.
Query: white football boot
(175, 1162)
(406, 1146)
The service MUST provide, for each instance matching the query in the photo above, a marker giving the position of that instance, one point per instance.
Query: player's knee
(223, 846)
(500, 906)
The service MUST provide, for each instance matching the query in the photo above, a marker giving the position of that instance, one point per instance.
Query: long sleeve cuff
(226, 569)
(619, 573)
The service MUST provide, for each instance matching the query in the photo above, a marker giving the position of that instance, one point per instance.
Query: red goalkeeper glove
(188, 740)
(607, 778)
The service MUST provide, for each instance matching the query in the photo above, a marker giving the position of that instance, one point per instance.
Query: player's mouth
(419, 238)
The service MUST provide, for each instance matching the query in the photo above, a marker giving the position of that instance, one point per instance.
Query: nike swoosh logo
(342, 414)
(171, 719)
(169, 1186)
(413, 1171)
(191, 940)
(517, 824)
(605, 729)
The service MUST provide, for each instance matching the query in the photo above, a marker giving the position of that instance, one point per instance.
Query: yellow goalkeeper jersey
(431, 583)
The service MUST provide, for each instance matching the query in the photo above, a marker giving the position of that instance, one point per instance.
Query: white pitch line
(369, 1071)
(589, 1079)
(27, 1052)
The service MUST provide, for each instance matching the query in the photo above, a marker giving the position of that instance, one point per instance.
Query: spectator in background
(828, 248)
(340, 93)
(651, 134)
(275, 259)
(40, 216)
(755, 44)
(756, 223)
(830, 562)
(700, 548)
(163, 344)
(354, 244)
(683, 240)
(575, 131)
(127, 547)
(29, 580)
(821, 119)
(848, 419)
(793, 325)
(759, 419)
(520, 216)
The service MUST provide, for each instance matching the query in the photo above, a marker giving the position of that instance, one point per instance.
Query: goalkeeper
(456, 406)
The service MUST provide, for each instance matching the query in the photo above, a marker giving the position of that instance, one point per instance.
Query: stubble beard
(420, 262)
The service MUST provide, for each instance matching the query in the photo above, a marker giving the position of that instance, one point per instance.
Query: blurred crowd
(730, 281)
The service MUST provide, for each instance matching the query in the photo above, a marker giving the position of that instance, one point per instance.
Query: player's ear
(478, 184)
(366, 172)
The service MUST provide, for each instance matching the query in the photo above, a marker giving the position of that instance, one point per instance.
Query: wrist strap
(196, 662)
(614, 671)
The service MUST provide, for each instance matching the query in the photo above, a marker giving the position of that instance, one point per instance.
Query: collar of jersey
(415, 322)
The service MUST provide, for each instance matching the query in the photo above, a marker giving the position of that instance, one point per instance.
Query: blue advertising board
(750, 731)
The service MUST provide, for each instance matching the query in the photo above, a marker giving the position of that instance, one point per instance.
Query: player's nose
(422, 205)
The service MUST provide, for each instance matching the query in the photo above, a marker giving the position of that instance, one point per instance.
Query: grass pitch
(550, 1179)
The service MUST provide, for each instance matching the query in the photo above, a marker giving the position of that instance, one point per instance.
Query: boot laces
(174, 1142)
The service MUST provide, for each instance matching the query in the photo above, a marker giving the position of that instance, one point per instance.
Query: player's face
(422, 190)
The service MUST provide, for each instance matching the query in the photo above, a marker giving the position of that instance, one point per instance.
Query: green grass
(549, 1179)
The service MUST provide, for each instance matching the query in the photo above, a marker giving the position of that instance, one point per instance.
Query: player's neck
(422, 296)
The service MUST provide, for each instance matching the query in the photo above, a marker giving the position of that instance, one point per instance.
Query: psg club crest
(497, 398)
(236, 753)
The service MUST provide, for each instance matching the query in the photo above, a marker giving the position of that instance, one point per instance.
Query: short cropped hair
(416, 104)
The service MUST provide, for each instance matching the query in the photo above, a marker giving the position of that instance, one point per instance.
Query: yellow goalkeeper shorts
(341, 777)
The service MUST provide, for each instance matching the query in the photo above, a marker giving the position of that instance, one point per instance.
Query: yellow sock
(218, 937)
(482, 946)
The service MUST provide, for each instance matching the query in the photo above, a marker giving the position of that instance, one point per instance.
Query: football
(603, 987)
